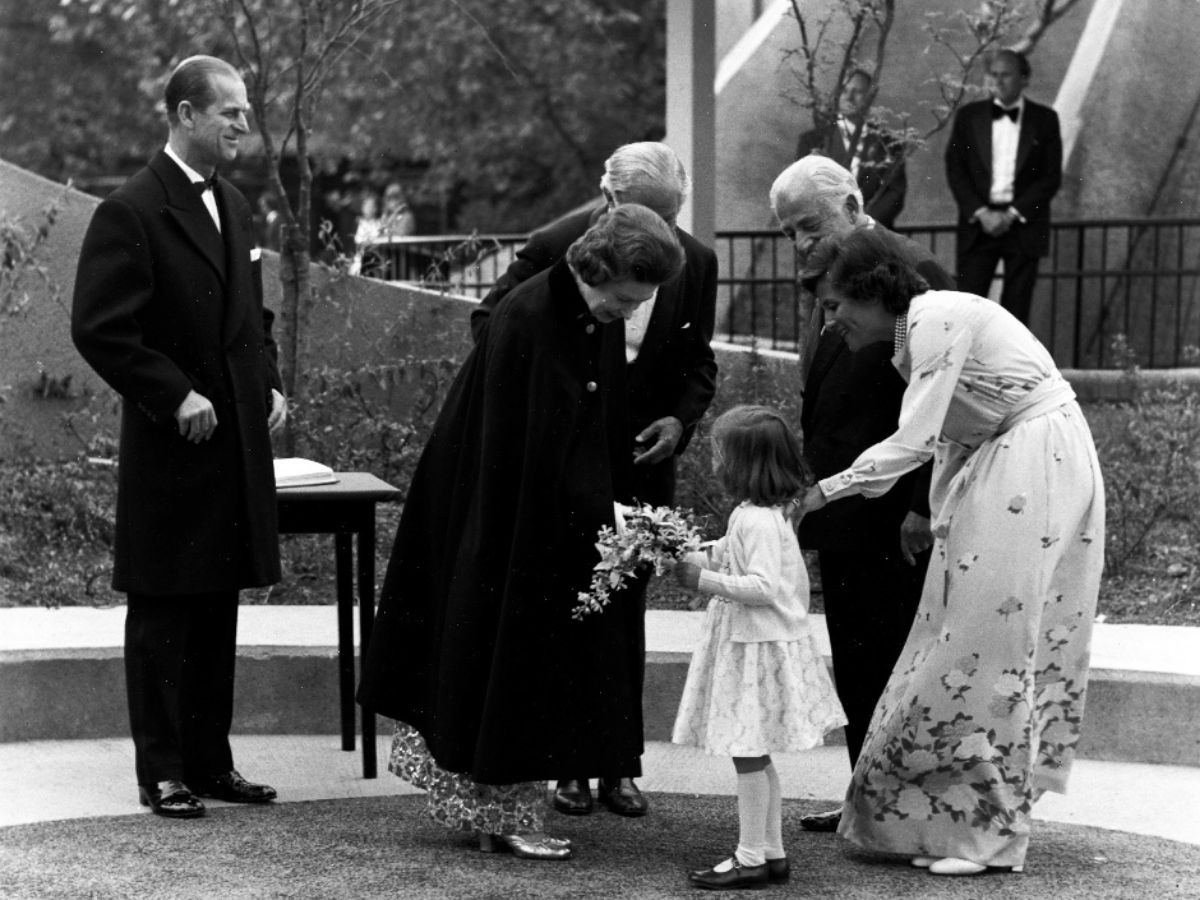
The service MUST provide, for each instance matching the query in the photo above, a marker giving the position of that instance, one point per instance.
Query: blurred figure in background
(873, 155)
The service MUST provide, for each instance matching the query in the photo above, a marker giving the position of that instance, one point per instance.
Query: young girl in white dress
(757, 684)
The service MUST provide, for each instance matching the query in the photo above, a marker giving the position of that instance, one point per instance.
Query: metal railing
(1104, 277)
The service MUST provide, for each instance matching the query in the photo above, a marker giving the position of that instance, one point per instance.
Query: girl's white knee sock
(754, 801)
(773, 848)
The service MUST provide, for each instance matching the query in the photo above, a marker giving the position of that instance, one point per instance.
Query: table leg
(345, 614)
(366, 622)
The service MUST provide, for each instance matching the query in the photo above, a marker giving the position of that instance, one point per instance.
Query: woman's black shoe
(171, 799)
(738, 877)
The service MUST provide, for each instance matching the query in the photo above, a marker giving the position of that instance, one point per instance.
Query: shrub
(374, 418)
(1148, 455)
(56, 533)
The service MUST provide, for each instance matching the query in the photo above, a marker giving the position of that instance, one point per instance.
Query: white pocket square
(255, 254)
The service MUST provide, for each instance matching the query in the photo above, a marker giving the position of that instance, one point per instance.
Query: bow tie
(209, 185)
(999, 112)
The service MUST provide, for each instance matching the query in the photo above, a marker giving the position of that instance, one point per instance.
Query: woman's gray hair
(649, 173)
(628, 242)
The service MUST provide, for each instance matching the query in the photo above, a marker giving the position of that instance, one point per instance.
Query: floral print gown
(983, 709)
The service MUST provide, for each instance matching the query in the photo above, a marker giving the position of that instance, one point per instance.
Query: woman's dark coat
(474, 644)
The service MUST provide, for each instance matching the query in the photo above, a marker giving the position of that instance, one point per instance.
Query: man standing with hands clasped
(1004, 165)
(168, 311)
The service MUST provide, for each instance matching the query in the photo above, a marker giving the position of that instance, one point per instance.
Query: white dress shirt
(1005, 134)
(210, 200)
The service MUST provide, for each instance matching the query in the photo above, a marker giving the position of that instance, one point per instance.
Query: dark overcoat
(474, 644)
(164, 304)
(1036, 180)
(675, 372)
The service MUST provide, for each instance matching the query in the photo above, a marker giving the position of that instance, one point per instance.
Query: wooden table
(345, 509)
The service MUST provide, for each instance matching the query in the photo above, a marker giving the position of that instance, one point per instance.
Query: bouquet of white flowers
(645, 536)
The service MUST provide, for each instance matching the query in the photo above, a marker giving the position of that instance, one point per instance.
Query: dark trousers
(179, 661)
(977, 266)
(870, 600)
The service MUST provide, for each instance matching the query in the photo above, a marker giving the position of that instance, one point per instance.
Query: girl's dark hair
(629, 241)
(760, 458)
(865, 266)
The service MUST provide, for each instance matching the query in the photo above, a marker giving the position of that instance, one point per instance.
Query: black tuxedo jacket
(675, 371)
(882, 177)
(1038, 171)
(164, 304)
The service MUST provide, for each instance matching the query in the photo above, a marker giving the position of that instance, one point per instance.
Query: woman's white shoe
(923, 862)
(953, 866)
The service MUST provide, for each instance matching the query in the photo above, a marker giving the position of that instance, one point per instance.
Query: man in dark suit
(671, 372)
(855, 142)
(1004, 165)
(168, 310)
(872, 556)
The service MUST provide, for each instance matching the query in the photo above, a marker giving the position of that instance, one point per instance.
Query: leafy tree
(514, 104)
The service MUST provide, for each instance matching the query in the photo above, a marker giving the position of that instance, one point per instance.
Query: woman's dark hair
(192, 81)
(629, 241)
(760, 458)
(865, 266)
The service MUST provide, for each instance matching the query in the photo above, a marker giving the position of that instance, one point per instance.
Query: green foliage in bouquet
(646, 538)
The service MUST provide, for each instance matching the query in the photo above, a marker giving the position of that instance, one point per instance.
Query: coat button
(591, 386)
(591, 329)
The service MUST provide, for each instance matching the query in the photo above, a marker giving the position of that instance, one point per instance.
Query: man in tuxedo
(875, 157)
(671, 372)
(168, 311)
(1004, 166)
(872, 554)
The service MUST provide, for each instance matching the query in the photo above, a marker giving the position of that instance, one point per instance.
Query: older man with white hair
(671, 372)
(872, 553)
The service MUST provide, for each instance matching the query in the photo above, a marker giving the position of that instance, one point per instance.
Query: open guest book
(296, 472)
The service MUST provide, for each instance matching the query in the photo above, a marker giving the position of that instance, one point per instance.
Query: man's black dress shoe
(573, 796)
(233, 788)
(738, 877)
(622, 796)
(171, 799)
(826, 821)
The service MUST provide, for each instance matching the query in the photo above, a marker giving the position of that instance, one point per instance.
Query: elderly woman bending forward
(475, 653)
(982, 712)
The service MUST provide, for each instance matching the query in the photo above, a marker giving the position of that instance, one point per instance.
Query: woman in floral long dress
(983, 710)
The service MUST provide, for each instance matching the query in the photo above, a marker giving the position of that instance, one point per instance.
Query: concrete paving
(55, 780)
(47, 780)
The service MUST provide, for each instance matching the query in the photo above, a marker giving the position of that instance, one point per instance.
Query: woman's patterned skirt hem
(456, 801)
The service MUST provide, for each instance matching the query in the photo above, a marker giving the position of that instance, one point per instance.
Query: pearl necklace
(900, 335)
